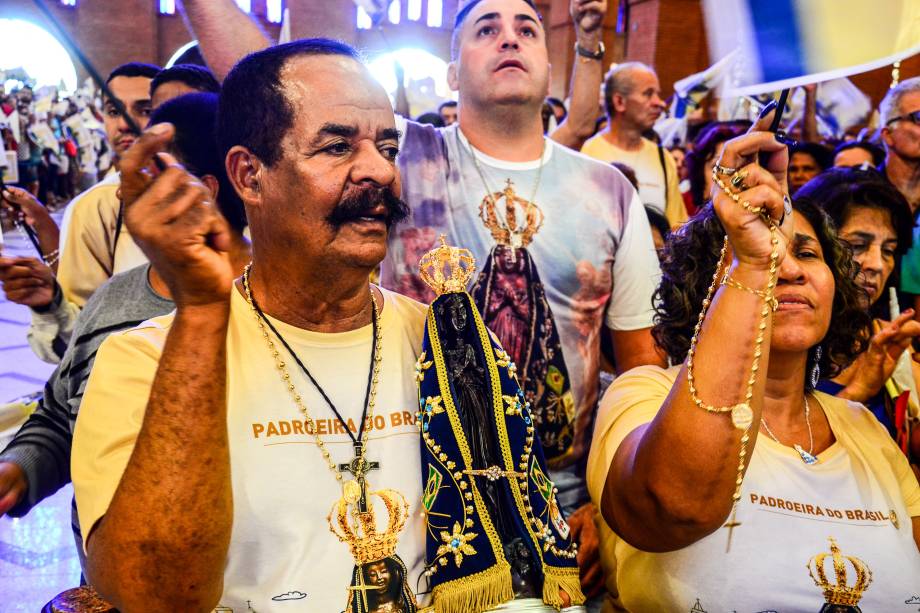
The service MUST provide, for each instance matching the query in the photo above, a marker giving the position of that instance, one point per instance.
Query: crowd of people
(248, 420)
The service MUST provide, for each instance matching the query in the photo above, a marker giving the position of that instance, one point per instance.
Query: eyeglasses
(913, 117)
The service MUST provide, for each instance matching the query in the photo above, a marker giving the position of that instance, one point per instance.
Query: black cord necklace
(355, 439)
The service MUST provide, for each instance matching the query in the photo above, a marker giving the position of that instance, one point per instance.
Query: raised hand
(761, 187)
(174, 220)
(27, 281)
(873, 367)
(588, 15)
(26, 208)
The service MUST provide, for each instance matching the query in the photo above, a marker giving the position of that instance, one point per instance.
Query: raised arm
(671, 481)
(163, 540)
(225, 33)
(587, 75)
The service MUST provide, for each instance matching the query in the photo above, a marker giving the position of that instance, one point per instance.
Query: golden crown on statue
(514, 224)
(840, 593)
(447, 269)
(359, 530)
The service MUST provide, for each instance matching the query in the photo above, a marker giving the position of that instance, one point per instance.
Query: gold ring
(737, 180)
(724, 170)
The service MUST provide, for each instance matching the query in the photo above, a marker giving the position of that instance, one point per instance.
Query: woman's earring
(816, 369)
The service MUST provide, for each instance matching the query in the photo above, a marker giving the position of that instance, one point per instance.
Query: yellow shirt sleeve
(675, 209)
(86, 260)
(632, 400)
(111, 415)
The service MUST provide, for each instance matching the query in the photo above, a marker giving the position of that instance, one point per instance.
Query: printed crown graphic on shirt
(840, 592)
(367, 544)
(513, 224)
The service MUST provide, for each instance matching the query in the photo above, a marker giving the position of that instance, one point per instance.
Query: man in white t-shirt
(632, 100)
(271, 400)
(594, 252)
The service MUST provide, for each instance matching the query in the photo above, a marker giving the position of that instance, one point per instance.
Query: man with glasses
(900, 114)
(900, 117)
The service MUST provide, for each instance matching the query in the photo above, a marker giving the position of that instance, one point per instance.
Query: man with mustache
(216, 490)
(594, 252)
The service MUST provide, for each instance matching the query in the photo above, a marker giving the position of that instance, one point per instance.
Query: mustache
(364, 202)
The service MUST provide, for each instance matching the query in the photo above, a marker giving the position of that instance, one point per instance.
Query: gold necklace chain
(298, 400)
(482, 175)
(742, 414)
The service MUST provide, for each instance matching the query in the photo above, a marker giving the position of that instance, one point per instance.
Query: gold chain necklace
(482, 175)
(353, 489)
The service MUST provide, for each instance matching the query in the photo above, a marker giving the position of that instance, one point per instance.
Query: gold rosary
(742, 414)
(352, 490)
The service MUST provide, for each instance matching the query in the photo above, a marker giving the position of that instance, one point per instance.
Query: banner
(785, 43)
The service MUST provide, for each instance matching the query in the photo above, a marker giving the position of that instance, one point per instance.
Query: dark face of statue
(457, 313)
(378, 575)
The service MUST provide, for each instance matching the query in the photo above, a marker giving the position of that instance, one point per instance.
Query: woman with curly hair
(874, 221)
(727, 482)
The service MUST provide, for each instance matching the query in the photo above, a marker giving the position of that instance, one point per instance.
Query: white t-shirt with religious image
(594, 252)
(862, 494)
(282, 555)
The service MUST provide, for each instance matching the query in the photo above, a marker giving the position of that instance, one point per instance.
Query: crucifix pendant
(731, 524)
(355, 490)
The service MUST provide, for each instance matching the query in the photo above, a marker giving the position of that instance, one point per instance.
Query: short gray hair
(890, 106)
(619, 80)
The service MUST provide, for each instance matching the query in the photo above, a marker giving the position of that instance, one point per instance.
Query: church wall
(669, 34)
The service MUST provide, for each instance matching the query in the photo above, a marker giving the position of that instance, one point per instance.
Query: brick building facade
(668, 34)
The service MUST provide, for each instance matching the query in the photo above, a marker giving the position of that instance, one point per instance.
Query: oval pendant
(742, 416)
(351, 491)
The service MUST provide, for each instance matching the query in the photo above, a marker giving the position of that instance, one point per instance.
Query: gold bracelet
(768, 297)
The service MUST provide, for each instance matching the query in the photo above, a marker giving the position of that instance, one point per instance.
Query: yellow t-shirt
(788, 513)
(647, 165)
(281, 548)
(89, 256)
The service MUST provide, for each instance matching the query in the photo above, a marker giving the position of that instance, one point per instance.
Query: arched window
(394, 13)
(435, 13)
(364, 20)
(274, 10)
(426, 77)
(414, 10)
(39, 54)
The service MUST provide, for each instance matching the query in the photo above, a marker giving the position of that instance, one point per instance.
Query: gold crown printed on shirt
(359, 530)
(513, 224)
(840, 592)
(447, 269)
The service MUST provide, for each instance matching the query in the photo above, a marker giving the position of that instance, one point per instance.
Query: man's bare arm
(163, 541)
(225, 33)
(633, 348)
(587, 75)
(162, 544)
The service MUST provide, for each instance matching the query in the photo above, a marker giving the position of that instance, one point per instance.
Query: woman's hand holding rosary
(751, 203)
